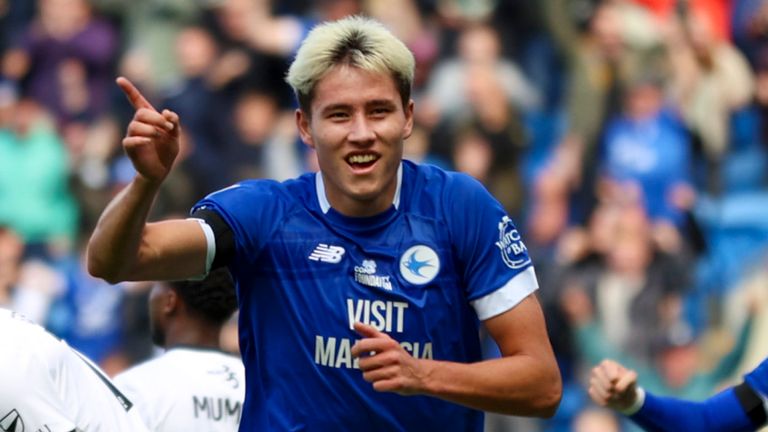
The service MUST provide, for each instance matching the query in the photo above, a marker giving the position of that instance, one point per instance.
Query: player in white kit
(47, 386)
(193, 386)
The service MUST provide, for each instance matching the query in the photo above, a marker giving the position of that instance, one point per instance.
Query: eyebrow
(381, 102)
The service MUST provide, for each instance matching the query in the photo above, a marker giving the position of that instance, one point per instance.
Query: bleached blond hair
(354, 41)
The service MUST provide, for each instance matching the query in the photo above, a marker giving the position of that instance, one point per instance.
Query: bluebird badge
(419, 265)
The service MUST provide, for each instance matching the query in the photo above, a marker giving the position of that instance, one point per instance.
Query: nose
(361, 130)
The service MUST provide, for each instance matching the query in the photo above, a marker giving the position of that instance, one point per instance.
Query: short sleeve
(495, 265)
(251, 209)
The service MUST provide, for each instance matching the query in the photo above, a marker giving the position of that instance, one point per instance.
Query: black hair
(212, 299)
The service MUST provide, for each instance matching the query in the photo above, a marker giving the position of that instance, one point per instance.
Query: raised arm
(124, 246)
(524, 381)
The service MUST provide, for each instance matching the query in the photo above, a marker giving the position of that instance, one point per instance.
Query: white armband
(635, 407)
(210, 252)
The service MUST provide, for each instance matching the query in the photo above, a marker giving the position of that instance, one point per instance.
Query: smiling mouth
(362, 160)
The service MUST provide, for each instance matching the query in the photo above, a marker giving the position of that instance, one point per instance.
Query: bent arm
(125, 247)
(524, 381)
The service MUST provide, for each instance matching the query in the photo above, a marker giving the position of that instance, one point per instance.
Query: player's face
(357, 127)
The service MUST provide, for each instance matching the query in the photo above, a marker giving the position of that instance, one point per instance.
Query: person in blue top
(360, 284)
(735, 409)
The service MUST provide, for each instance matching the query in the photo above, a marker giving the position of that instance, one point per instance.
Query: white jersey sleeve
(48, 386)
(187, 389)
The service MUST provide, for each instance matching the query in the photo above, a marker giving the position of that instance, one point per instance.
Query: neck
(192, 333)
(362, 208)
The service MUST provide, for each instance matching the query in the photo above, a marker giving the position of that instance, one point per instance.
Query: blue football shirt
(443, 257)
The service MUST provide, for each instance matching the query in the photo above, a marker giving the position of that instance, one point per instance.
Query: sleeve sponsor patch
(513, 250)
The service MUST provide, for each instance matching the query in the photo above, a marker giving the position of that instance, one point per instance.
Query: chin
(365, 194)
(363, 189)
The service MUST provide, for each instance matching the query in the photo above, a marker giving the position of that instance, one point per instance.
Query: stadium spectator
(197, 100)
(711, 80)
(48, 386)
(632, 291)
(750, 22)
(26, 286)
(738, 408)
(193, 385)
(261, 43)
(404, 18)
(149, 30)
(600, 57)
(647, 147)
(370, 248)
(43, 211)
(452, 92)
(254, 117)
(476, 101)
(677, 370)
(65, 60)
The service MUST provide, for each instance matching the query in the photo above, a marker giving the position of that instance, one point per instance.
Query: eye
(380, 111)
(338, 115)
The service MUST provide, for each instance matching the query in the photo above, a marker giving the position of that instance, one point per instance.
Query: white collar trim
(323, 199)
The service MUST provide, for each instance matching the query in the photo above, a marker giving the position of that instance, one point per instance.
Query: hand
(152, 139)
(612, 385)
(385, 363)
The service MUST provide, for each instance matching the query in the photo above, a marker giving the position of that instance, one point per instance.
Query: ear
(408, 111)
(303, 125)
(171, 302)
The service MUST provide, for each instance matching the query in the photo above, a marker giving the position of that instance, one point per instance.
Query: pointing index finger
(133, 94)
(366, 330)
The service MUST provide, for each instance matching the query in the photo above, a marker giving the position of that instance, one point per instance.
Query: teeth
(362, 158)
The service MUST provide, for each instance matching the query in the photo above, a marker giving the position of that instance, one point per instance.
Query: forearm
(722, 412)
(516, 385)
(113, 248)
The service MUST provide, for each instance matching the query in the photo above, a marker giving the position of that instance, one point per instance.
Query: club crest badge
(419, 265)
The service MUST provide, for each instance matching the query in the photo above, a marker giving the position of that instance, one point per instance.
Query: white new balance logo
(325, 253)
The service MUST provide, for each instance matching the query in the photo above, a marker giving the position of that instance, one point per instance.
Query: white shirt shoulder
(48, 386)
(187, 389)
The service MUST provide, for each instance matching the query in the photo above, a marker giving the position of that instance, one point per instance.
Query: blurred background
(628, 139)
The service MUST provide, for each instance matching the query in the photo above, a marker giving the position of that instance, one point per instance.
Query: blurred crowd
(628, 139)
